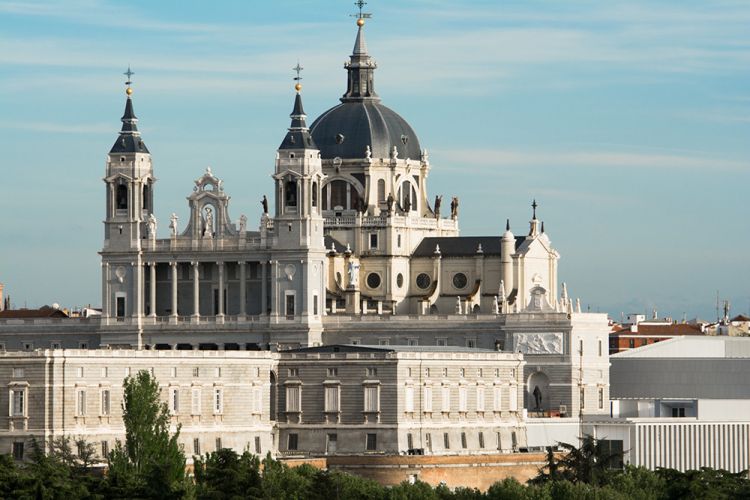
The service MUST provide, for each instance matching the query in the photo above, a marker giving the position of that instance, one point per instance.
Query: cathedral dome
(345, 131)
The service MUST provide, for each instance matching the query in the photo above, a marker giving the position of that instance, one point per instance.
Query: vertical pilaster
(220, 267)
(196, 290)
(152, 288)
(274, 287)
(174, 288)
(243, 288)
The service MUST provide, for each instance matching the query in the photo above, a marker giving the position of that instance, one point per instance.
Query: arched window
(407, 197)
(315, 194)
(290, 193)
(147, 197)
(381, 191)
(121, 197)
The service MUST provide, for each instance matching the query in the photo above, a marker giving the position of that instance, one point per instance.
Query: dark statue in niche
(264, 202)
(537, 398)
(438, 202)
(389, 202)
(407, 204)
(454, 207)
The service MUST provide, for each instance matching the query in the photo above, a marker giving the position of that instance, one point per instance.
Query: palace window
(372, 442)
(513, 398)
(481, 439)
(462, 399)
(497, 396)
(332, 394)
(18, 402)
(480, 397)
(218, 401)
(81, 402)
(372, 399)
(257, 400)
(218, 444)
(18, 450)
(464, 444)
(293, 398)
(291, 443)
(446, 399)
(446, 441)
(105, 404)
(196, 401)
(427, 398)
(174, 400)
(409, 398)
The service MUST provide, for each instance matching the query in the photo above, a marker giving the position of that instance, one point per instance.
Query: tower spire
(129, 140)
(361, 67)
(298, 136)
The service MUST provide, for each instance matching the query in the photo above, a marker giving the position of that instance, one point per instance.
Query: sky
(628, 122)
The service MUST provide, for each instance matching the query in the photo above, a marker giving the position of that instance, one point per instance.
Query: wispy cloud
(486, 158)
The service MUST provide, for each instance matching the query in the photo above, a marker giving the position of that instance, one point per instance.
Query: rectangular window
(471, 343)
(79, 372)
(409, 398)
(580, 347)
(218, 401)
(441, 342)
(332, 398)
(464, 444)
(426, 372)
(17, 372)
(257, 400)
(480, 397)
(315, 305)
(174, 400)
(412, 342)
(217, 371)
(173, 372)
(18, 403)
(196, 401)
(53, 345)
(372, 442)
(105, 449)
(409, 441)
(678, 412)
(257, 445)
(463, 399)
(479, 373)
(105, 372)
(81, 402)
(601, 398)
(600, 348)
(513, 398)
(374, 241)
(196, 371)
(583, 398)
(120, 307)
(427, 399)
(293, 372)
(384, 342)
(290, 306)
(331, 443)
(332, 372)
(372, 400)
(446, 441)
(446, 399)
(105, 402)
(218, 444)
(481, 439)
(127, 371)
(196, 446)
(445, 372)
(497, 372)
(293, 398)
(18, 451)
(497, 398)
(372, 372)
(462, 372)
(291, 443)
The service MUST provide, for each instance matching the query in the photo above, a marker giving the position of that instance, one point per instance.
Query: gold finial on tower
(298, 69)
(129, 73)
(361, 16)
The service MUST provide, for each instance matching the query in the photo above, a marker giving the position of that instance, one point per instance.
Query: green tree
(226, 475)
(150, 464)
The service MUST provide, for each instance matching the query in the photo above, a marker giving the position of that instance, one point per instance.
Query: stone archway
(538, 392)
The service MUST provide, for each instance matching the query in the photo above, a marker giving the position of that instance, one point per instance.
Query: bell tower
(299, 289)
(129, 217)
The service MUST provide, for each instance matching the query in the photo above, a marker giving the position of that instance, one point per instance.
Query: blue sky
(629, 122)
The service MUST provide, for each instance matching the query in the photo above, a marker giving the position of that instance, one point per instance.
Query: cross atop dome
(361, 16)
(298, 69)
(129, 73)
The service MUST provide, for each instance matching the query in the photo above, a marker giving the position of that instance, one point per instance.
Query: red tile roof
(43, 312)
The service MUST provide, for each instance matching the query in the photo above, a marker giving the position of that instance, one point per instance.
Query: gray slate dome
(346, 130)
(360, 120)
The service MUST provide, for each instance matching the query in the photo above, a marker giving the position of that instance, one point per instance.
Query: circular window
(459, 280)
(400, 280)
(423, 281)
(373, 280)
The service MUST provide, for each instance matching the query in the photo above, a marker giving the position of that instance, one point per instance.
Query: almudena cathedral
(354, 321)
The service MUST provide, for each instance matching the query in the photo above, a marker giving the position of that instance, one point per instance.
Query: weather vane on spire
(361, 16)
(298, 69)
(129, 73)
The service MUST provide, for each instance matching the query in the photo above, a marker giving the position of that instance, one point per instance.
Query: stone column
(220, 267)
(152, 288)
(196, 290)
(263, 288)
(174, 288)
(243, 288)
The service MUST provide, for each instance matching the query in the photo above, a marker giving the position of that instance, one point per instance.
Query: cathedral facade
(351, 250)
